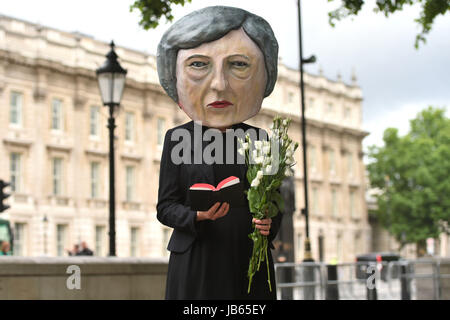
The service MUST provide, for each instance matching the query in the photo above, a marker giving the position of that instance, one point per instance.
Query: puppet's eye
(198, 64)
(239, 64)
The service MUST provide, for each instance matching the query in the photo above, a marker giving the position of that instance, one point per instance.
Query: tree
(153, 10)
(412, 174)
(430, 10)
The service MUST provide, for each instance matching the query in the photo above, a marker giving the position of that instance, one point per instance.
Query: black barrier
(405, 282)
(332, 289)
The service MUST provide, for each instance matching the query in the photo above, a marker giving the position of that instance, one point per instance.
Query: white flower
(258, 145)
(259, 160)
(289, 153)
(259, 174)
(293, 146)
(241, 151)
(266, 149)
(266, 161)
(255, 182)
(284, 122)
(245, 145)
(268, 168)
(288, 172)
(289, 160)
(255, 154)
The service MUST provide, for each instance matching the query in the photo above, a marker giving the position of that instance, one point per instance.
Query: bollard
(332, 290)
(405, 282)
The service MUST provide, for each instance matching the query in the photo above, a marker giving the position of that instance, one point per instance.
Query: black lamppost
(308, 271)
(111, 81)
(305, 211)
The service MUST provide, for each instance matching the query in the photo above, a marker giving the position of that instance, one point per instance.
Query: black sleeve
(170, 209)
(275, 226)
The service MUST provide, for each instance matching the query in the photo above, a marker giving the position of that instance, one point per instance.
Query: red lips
(220, 104)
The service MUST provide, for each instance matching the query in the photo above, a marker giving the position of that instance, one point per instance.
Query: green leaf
(253, 199)
(276, 196)
(272, 210)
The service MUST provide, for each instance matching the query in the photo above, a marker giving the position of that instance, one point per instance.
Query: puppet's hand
(263, 225)
(214, 212)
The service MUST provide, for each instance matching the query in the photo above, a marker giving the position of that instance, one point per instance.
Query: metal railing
(395, 280)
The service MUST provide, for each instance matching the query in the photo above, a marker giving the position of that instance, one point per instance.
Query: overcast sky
(396, 79)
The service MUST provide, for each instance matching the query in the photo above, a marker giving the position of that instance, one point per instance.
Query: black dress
(215, 266)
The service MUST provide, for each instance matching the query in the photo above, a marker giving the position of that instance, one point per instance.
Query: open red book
(203, 195)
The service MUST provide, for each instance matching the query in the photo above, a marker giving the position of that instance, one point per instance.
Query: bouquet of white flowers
(269, 162)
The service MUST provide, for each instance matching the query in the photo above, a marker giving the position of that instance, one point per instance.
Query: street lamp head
(311, 59)
(111, 79)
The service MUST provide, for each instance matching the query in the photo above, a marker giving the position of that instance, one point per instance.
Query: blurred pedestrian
(5, 249)
(74, 251)
(85, 251)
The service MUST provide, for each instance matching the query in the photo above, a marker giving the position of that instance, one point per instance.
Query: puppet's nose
(219, 82)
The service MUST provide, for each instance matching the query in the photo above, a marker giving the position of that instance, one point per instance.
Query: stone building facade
(54, 149)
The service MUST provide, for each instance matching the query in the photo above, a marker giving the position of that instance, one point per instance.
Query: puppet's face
(222, 82)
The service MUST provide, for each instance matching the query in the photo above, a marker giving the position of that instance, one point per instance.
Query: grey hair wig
(209, 24)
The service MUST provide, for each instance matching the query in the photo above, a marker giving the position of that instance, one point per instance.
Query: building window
(19, 239)
(332, 161)
(95, 180)
(57, 176)
(350, 164)
(61, 239)
(57, 114)
(330, 108)
(347, 112)
(129, 126)
(310, 104)
(94, 121)
(339, 252)
(134, 241)
(129, 183)
(334, 204)
(358, 243)
(312, 158)
(100, 240)
(161, 131)
(290, 97)
(315, 200)
(353, 209)
(15, 115)
(15, 171)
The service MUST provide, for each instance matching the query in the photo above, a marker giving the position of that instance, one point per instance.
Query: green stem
(267, 264)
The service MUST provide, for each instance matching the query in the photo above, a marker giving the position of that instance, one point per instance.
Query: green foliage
(430, 10)
(153, 10)
(412, 174)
